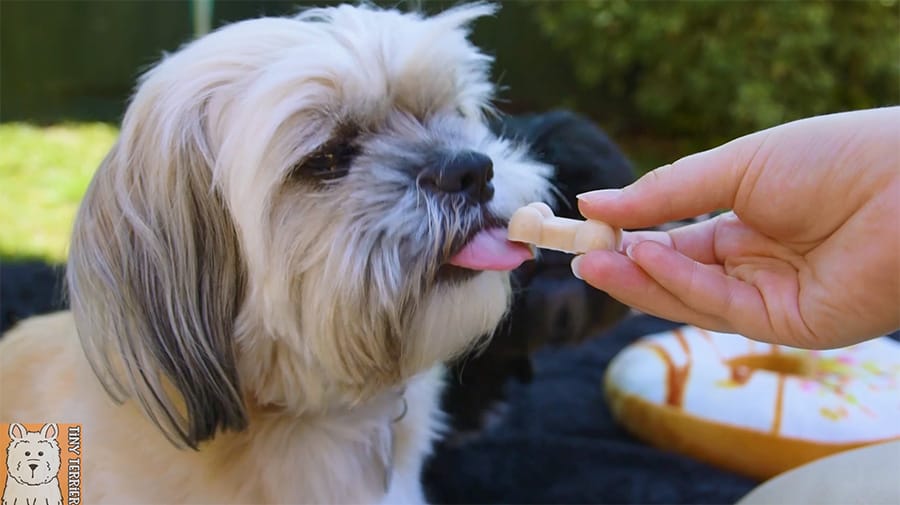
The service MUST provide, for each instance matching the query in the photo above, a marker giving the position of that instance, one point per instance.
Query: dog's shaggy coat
(261, 268)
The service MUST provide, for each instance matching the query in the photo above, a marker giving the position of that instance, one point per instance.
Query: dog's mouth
(487, 248)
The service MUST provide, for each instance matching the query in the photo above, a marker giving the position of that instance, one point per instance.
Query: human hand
(809, 255)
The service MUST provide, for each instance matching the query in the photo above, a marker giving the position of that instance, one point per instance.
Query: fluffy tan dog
(302, 218)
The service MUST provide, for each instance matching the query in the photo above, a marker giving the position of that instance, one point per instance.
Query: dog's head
(299, 212)
(32, 457)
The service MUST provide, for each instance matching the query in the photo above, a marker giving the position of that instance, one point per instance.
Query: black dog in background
(29, 288)
(550, 306)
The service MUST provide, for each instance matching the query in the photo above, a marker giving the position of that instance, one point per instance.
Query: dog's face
(32, 458)
(299, 212)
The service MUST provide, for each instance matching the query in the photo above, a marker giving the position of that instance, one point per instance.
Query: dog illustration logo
(32, 466)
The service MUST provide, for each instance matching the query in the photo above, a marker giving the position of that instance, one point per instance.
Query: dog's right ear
(155, 274)
(17, 431)
(50, 431)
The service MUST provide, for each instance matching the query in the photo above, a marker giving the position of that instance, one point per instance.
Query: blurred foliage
(712, 70)
(663, 78)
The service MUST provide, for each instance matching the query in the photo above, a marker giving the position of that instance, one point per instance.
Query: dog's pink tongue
(489, 250)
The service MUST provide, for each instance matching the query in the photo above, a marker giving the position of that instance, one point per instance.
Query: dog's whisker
(559, 196)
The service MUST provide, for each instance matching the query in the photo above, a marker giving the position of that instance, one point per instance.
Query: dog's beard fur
(260, 232)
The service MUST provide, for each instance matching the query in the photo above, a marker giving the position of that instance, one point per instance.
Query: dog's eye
(40, 453)
(28, 453)
(331, 160)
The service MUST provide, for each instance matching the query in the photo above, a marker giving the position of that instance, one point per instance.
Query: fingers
(625, 281)
(691, 186)
(630, 238)
(659, 280)
(696, 241)
(703, 288)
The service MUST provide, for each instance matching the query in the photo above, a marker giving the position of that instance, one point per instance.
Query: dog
(550, 307)
(301, 219)
(32, 465)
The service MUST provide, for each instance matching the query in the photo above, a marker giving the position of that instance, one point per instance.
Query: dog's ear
(155, 273)
(17, 431)
(50, 431)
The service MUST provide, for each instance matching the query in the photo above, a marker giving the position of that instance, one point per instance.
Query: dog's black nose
(32, 466)
(466, 172)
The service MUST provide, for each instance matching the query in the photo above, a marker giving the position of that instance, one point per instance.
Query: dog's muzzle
(469, 174)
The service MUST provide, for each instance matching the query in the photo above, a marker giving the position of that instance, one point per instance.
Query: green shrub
(712, 70)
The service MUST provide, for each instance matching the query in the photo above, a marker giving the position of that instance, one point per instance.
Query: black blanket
(558, 443)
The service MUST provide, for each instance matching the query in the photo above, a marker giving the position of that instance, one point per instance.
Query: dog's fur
(259, 270)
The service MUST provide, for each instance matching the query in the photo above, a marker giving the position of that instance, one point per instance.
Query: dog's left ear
(155, 272)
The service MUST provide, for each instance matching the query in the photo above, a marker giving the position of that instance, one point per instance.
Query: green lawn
(44, 172)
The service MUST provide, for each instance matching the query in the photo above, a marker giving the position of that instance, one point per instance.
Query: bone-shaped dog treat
(536, 224)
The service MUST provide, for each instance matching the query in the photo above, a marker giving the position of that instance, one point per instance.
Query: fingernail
(590, 196)
(576, 264)
(629, 249)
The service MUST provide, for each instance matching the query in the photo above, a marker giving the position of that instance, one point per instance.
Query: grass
(44, 171)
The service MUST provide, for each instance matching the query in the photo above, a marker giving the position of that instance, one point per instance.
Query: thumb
(691, 186)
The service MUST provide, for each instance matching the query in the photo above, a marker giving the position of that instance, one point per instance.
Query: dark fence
(79, 59)
(701, 71)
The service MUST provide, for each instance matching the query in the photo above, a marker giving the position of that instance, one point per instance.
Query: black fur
(29, 288)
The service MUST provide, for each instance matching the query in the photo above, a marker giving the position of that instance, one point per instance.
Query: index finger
(691, 186)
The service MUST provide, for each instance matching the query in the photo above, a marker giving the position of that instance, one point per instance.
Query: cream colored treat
(536, 224)
(754, 408)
